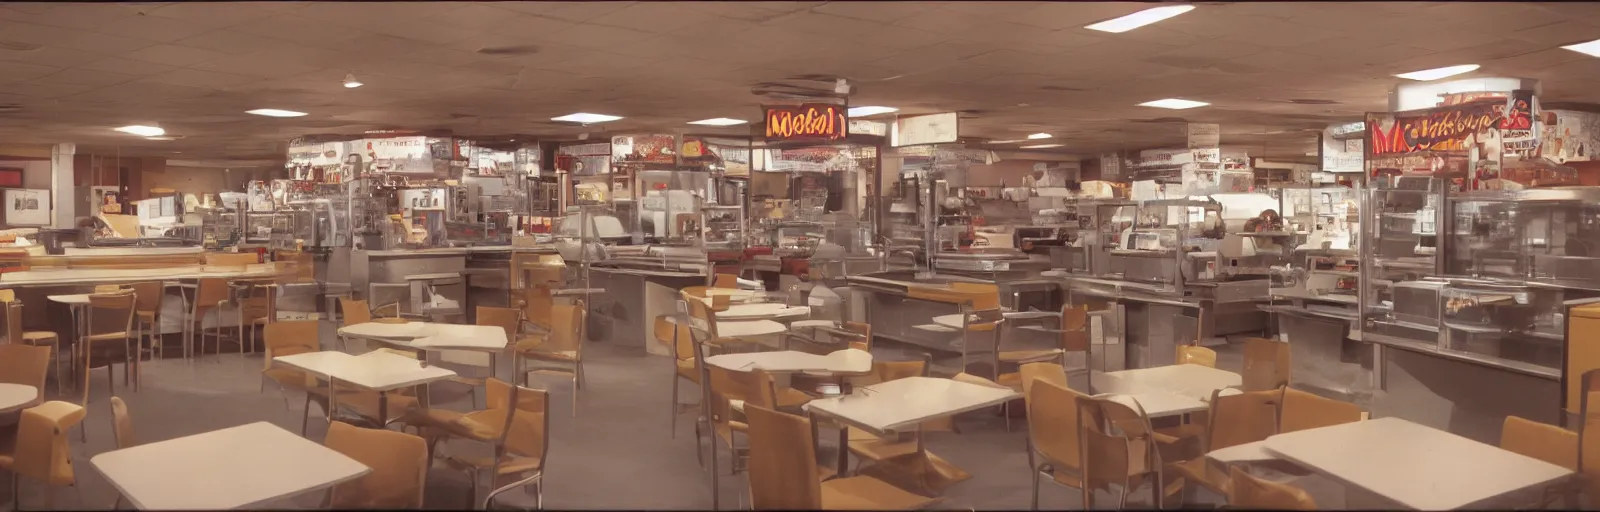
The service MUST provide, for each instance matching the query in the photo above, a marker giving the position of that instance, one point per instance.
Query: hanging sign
(1447, 128)
(811, 121)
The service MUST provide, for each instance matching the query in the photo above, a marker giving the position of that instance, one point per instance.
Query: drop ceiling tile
(600, 37)
(750, 11)
(427, 31)
(653, 17)
(45, 91)
(229, 41)
(68, 38)
(198, 78)
(882, 12)
(174, 55)
(892, 36)
(50, 56)
(260, 64)
(66, 15)
(303, 31)
(580, 12)
(154, 28)
(17, 72)
(83, 77)
(217, 14)
(826, 25)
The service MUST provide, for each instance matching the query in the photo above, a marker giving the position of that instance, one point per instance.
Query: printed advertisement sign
(1342, 150)
(811, 121)
(1568, 136)
(1446, 129)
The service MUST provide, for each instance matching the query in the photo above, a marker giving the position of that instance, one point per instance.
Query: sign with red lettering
(811, 121)
(1449, 128)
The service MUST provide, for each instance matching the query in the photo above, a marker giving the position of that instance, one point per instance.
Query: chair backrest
(1053, 422)
(24, 364)
(108, 288)
(754, 387)
(209, 292)
(537, 301)
(354, 311)
(148, 295)
(1541, 441)
(676, 337)
(121, 424)
(1105, 451)
(288, 338)
(783, 461)
(1302, 410)
(566, 327)
(862, 328)
(1046, 371)
(1266, 364)
(1241, 418)
(399, 463)
(974, 379)
(14, 330)
(885, 371)
(695, 291)
(111, 312)
(701, 315)
(506, 319)
(1251, 493)
(526, 431)
(1589, 432)
(42, 450)
(1075, 328)
(725, 281)
(1195, 354)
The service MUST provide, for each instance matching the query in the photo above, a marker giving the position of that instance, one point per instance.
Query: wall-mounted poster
(1342, 147)
(585, 159)
(1568, 136)
(655, 148)
(27, 207)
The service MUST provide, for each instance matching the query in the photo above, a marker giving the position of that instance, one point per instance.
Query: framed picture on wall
(26, 207)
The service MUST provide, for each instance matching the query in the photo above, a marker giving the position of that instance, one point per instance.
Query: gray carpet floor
(615, 454)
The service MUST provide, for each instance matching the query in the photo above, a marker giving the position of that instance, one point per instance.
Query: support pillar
(63, 205)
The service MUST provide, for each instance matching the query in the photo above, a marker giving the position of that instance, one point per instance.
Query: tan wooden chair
(517, 424)
(1119, 449)
(110, 333)
(1301, 411)
(1266, 364)
(147, 316)
(727, 281)
(399, 463)
(1073, 336)
(258, 306)
(1589, 433)
(352, 312)
(1247, 492)
(559, 351)
(121, 424)
(1195, 354)
(16, 335)
(40, 450)
(1054, 446)
(1234, 419)
(729, 392)
(27, 365)
(287, 339)
(680, 341)
(783, 462)
(1545, 442)
(868, 447)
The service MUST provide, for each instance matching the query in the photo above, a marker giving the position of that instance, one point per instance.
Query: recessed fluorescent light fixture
(719, 121)
(1040, 146)
(272, 112)
(143, 131)
(1437, 73)
(1591, 48)
(350, 81)
(870, 111)
(1174, 103)
(1038, 136)
(585, 118)
(1139, 19)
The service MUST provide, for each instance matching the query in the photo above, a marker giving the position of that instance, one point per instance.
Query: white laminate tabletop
(376, 371)
(1248, 452)
(735, 295)
(762, 311)
(432, 277)
(1189, 380)
(953, 320)
(431, 336)
(902, 404)
(739, 328)
(841, 361)
(1157, 404)
(105, 276)
(17, 396)
(75, 299)
(1413, 465)
(236, 467)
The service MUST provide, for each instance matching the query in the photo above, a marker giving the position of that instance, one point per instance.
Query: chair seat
(477, 425)
(365, 404)
(867, 493)
(509, 465)
(685, 369)
(1204, 473)
(791, 397)
(290, 378)
(567, 356)
(108, 336)
(1029, 356)
(145, 315)
(878, 449)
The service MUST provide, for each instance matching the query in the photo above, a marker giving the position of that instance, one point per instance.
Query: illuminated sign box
(811, 121)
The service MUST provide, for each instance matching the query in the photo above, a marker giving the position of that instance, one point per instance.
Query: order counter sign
(812, 121)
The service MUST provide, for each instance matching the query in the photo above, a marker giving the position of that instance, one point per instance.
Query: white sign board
(924, 129)
(27, 207)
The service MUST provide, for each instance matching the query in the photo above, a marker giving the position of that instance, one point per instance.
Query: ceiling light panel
(1004, 141)
(719, 121)
(586, 118)
(143, 131)
(1040, 146)
(870, 111)
(1038, 136)
(1591, 48)
(1139, 19)
(1437, 73)
(273, 112)
(1174, 103)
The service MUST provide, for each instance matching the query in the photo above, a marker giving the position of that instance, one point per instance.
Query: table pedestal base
(922, 472)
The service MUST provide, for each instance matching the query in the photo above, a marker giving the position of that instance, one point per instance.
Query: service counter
(1150, 322)
(900, 305)
(624, 312)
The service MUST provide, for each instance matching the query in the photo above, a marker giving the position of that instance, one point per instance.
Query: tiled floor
(617, 454)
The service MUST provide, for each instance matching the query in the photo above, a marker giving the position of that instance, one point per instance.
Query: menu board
(925, 129)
